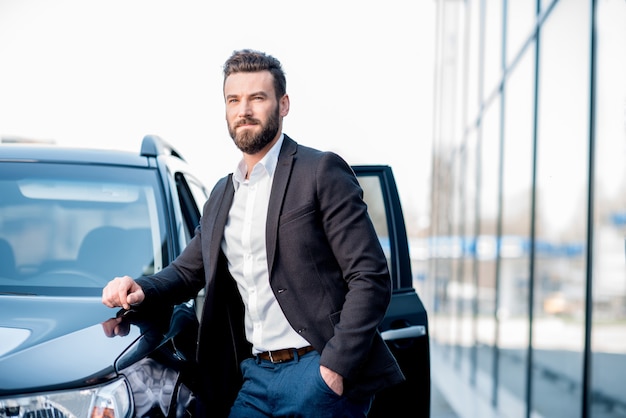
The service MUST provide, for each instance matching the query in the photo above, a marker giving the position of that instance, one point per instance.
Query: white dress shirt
(244, 246)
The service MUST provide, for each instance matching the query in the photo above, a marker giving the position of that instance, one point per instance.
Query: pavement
(439, 405)
(453, 397)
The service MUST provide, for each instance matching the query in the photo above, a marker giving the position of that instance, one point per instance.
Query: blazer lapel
(277, 195)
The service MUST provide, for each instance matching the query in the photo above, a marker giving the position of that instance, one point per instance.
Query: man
(296, 283)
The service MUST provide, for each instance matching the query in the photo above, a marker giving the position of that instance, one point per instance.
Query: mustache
(247, 121)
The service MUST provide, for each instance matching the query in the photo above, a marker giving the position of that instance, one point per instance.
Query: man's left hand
(333, 379)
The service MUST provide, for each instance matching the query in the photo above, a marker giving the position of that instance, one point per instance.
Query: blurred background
(105, 73)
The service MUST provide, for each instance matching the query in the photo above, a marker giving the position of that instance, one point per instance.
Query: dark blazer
(326, 268)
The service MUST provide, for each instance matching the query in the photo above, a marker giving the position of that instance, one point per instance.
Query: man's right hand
(122, 291)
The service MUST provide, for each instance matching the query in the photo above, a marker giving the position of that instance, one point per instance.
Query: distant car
(72, 219)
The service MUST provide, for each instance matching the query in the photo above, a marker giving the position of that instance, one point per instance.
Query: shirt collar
(269, 162)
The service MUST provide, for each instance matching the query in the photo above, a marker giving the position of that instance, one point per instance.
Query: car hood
(60, 342)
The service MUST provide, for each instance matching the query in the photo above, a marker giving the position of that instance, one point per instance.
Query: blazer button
(281, 290)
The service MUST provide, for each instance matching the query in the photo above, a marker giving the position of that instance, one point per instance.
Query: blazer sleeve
(180, 281)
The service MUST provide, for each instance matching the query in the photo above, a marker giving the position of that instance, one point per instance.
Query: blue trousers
(291, 389)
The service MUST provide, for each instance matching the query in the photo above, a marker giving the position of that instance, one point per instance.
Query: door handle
(402, 333)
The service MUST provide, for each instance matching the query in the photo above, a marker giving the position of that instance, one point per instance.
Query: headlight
(112, 400)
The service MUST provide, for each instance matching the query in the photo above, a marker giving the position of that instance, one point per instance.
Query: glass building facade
(525, 262)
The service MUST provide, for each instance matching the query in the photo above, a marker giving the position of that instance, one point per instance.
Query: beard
(251, 143)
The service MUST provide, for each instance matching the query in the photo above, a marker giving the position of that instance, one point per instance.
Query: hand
(122, 291)
(333, 379)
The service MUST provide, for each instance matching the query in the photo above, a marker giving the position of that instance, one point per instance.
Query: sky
(105, 73)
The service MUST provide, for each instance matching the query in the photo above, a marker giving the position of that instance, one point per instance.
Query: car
(71, 219)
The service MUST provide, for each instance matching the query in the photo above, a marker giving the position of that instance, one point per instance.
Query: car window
(373, 196)
(64, 225)
(191, 195)
(381, 195)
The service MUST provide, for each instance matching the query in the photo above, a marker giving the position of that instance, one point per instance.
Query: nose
(245, 110)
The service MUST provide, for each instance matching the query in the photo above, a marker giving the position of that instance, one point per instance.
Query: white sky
(105, 73)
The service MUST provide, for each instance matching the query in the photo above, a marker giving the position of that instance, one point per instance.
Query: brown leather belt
(286, 354)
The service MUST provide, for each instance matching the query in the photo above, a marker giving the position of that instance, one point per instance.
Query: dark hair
(250, 61)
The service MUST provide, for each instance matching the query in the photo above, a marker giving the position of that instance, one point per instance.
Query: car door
(405, 327)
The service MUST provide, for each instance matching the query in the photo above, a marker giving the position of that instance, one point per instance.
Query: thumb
(132, 298)
(135, 297)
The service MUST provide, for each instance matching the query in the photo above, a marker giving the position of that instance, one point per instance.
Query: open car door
(405, 327)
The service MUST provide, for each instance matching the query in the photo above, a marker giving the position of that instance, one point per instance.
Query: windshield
(77, 226)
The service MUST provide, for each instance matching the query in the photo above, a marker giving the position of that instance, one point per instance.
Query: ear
(284, 105)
